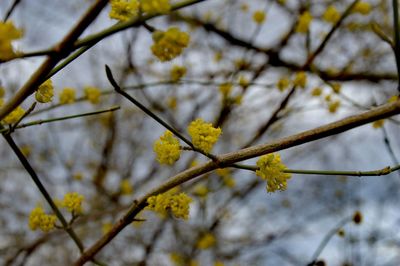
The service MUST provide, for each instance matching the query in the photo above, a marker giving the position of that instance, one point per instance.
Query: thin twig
(396, 36)
(153, 115)
(55, 119)
(384, 171)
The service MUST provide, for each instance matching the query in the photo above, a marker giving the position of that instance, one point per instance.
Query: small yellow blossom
(38, 219)
(45, 92)
(242, 63)
(167, 148)
(8, 33)
(317, 91)
(67, 96)
(155, 6)
(193, 262)
(283, 83)
(331, 14)
(124, 10)
(92, 94)
(341, 232)
(2, 92)
(106, 227)
(177, 205)
(271, 169)
(393, 98)
(244, 7)
(225, 89)
(73, 202)
(78, 176)
(300, 79)
(226, 177)
(26, 150)
(206, 241)
(203, 134)
(169, 44)
(177, 259)
(126, 187)
(259, 16)
(177, 72)
(172, 102)
(328, 98)
(304, 22)
(378, 123)
(201, 190)
(363, 8)
(14, 116)
(333, 106)
(336, 87)
(219, 263)
(243, 81)
(218, 56)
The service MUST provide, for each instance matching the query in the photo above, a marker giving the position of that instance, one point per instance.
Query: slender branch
(384, 171)
(42, 190)
(153, 115)
(144, 108)
(55, 119)
(227, 159)
(11, 10)
(396, 36)
(91, 40)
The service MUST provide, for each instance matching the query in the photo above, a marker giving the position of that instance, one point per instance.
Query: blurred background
(109, 158)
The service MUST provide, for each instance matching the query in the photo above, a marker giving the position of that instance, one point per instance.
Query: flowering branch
(227, 159)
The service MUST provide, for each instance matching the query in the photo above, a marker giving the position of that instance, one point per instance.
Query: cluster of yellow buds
(169, 44)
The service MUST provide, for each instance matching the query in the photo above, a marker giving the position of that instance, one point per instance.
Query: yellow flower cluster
(8, 33)
(155, 6)
(92, 94)
(259, 16)
(73, 202)
(304, 22)
(45, 92)
(206, 241)
(38, 219)
(67, 96)
(363, 8)
(331, 14)
(177, 72)
(14, 116)
(271, 169)
(124, 10)
(169, 44)
(203, 134)
(177, 205)
(167, 148)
